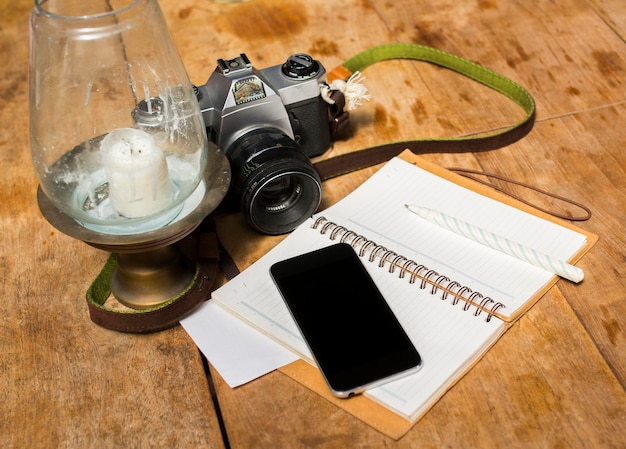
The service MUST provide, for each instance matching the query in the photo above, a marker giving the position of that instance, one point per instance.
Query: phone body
(354, 336)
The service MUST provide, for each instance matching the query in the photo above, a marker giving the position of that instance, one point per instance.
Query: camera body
(238, 98)
(269, 123)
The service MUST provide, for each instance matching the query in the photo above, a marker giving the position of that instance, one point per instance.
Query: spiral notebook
(454, 297)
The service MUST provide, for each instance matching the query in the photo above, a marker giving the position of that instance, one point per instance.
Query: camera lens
(277, 185)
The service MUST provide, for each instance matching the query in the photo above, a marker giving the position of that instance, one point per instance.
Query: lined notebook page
(377, 210)
(449, 338)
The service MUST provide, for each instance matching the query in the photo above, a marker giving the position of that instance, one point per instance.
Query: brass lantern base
(150, 278)
(151, 269)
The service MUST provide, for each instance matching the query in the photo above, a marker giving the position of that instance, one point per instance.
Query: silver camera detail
(269, 123)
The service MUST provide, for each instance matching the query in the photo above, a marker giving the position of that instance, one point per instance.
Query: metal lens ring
(277, 185)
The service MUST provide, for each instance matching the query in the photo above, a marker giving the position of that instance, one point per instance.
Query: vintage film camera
(269, 123)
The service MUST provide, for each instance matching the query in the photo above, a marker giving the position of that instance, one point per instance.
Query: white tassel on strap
(353, 90)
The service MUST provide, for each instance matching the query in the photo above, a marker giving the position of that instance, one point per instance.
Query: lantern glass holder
(151, 269)
(118, 141)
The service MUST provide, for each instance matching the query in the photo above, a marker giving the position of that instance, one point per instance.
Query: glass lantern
(117, 137)
(118, 140)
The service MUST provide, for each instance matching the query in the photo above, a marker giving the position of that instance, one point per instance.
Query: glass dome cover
(117, 137)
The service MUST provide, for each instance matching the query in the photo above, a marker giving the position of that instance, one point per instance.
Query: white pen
(499, 243)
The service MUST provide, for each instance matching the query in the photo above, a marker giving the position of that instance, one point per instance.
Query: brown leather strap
(339, 118)
(357, 160)
(227, 264)
(468, 173)
(347, 163)
(165, 315)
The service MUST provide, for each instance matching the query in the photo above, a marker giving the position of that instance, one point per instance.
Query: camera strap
(211, 257)
(201, 248)
(341, 77)
(356, 160)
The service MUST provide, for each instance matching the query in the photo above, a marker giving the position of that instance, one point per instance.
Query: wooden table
(556, 379)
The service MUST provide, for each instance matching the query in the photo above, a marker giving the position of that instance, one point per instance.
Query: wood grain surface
(555, 380)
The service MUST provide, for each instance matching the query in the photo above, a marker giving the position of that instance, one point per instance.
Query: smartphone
(354, 336)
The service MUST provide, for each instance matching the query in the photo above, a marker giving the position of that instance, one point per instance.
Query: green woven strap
(490, 141)
(168, 313)
(453, 62)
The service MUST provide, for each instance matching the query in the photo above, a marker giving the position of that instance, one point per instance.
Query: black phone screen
(352, 333)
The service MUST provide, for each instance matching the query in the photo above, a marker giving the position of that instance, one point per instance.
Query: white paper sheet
(236, 350)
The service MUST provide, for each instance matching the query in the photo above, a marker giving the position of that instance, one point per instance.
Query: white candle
(136, 170)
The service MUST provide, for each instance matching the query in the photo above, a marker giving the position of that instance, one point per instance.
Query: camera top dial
(300, 66)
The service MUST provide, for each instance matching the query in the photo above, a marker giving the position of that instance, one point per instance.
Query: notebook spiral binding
(406, 267)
